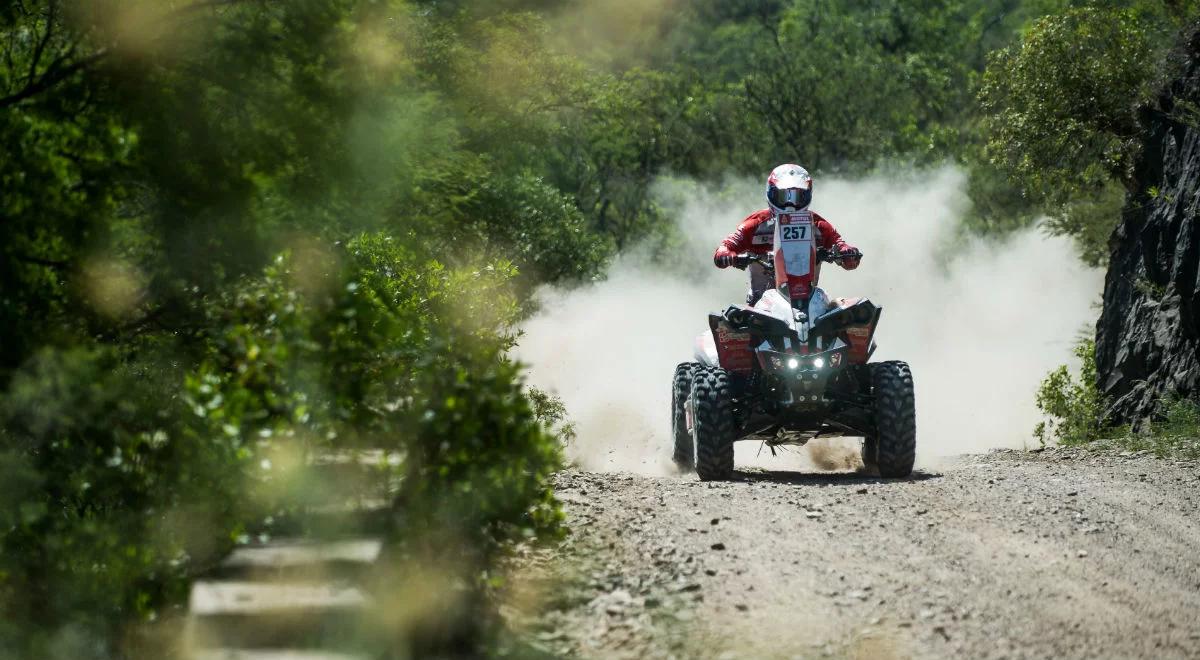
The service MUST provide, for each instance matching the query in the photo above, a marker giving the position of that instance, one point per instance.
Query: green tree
(1061, 111)
(1063, 105)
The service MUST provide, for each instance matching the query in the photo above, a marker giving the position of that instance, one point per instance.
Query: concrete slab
(269, 654)
(242, 598)
(291, 553)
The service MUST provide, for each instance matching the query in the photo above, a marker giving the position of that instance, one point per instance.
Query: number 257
(795, 233)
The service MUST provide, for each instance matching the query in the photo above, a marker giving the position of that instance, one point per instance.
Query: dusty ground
(1061, 553)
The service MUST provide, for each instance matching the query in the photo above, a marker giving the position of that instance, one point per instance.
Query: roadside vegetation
(237, 235)
(1076, 417)
(1072, 402)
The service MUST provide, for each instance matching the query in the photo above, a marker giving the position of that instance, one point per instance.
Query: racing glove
(724, 257)
(851, 256)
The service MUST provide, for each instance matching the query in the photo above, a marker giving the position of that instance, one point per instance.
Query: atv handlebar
(742, 261)
(766, 261)
(836, 256)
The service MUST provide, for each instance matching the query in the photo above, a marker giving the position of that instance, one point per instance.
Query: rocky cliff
(1148, 336)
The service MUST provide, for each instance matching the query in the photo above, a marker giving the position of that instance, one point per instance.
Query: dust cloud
(979, 322)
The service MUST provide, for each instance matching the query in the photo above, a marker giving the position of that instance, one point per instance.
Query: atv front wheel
(870, 449)
(894, 447)
(712, 423)
(681, 389)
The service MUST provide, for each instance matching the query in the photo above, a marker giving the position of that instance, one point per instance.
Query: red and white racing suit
(756, 234)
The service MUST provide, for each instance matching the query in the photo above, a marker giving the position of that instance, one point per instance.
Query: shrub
(381, 349)
(1075, 414)
(1176, 433)
(112, 499)
(1071, 403)
(551, 412)
(126, 474)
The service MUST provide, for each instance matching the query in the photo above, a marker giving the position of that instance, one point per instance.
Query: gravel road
(1060, 553)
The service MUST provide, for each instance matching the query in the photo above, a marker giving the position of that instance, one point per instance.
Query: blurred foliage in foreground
(238, 236)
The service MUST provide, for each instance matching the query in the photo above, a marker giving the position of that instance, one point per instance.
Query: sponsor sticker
(796, 242)
(725, 335)
(733, 348)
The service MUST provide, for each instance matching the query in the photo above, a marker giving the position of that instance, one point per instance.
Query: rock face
(1148, 335)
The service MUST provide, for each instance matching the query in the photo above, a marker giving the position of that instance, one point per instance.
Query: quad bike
(790, 368)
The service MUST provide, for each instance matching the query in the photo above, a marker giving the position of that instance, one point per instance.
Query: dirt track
(1061, 553)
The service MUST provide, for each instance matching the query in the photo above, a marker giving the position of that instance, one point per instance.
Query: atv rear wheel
(681, 389)
(712, 423)
(894, 447)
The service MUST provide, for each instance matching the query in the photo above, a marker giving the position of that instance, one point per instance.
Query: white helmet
(789, 188)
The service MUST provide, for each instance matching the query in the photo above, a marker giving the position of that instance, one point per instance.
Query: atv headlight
(818, 363)
(793, 363)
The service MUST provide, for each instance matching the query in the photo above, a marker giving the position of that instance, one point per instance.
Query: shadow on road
(827, 478)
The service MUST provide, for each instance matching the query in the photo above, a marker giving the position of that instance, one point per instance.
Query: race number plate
(796, 242)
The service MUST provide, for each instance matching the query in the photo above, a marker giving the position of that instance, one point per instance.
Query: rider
(789, 189)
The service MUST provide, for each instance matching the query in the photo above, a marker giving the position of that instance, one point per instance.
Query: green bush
(372, 353)
(478, 461)
(1072, 403)
(1175, 433)
(552, 413)
(113, 499)
(127, 474)
(379, 349)
(1075, 412)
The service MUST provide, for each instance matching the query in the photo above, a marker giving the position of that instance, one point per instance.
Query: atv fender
(731, 345)
(706, 350)
(856, 319)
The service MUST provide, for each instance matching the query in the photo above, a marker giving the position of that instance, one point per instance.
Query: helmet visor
(796, 198)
